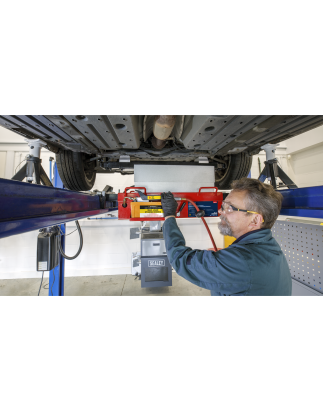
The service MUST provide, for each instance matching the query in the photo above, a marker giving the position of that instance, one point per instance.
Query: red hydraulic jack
(135, 204)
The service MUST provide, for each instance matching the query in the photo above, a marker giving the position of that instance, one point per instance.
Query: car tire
(238, 166)
(71, 169)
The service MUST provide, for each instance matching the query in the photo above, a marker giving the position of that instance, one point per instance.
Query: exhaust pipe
(162, 129)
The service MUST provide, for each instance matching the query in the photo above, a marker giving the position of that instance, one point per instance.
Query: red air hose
(203, 219)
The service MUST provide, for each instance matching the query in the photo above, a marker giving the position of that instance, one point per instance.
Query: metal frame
(303, 202)
(26, 207)
(110, 165)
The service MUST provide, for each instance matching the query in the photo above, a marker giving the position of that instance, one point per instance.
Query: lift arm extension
(27, 207)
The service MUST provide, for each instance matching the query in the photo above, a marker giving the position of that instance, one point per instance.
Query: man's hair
(261, 198)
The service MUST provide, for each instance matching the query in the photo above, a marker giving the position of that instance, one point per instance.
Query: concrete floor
(124, 285)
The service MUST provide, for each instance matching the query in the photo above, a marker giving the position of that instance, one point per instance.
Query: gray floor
(124, 285)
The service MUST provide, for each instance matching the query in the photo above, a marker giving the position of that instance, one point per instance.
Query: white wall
(305, 158)
(106, 251)
(306, 167)
(3, 155)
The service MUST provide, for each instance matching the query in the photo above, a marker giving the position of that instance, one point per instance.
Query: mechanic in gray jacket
(254, 264)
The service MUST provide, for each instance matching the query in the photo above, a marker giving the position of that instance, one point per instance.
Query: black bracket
(107, 198)
(33, 164)
(272, 171)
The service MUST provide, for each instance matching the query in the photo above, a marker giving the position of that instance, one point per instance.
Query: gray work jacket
(255, 265)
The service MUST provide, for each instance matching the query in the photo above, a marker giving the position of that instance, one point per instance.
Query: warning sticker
(151, 215)
(42, 265)
(153, 197)
(151, 211)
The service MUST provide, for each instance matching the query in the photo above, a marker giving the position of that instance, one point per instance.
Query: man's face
(235, 223)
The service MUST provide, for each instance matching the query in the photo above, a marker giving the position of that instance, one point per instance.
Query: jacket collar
(256, 236)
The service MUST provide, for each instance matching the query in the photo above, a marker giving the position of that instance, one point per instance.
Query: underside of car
(89, 144)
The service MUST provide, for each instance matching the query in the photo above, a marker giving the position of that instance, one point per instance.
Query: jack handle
(135, 188)
(203, 188)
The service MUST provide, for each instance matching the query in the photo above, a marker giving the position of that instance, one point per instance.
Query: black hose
(80, 248)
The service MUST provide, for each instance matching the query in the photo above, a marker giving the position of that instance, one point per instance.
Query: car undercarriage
(89, 144)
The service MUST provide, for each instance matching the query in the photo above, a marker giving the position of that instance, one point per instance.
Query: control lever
(142, 195)
(181, 209)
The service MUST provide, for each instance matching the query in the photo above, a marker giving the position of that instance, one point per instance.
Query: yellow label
(153, 197)
(149, 210)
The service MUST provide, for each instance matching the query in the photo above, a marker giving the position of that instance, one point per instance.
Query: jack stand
(33, 165)
(272, 169)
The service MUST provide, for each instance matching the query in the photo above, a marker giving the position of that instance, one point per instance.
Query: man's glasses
(229, 208)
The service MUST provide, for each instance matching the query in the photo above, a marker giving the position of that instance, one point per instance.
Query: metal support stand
(272, 169)
(33, 165)
(56, 276)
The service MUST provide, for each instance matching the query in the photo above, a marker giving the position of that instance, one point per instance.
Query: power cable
(81, 244)
(61, 232)
(41, 283)
(51, 288)
(19, 165)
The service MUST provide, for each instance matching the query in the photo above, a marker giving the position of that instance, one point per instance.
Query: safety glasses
(229, 208)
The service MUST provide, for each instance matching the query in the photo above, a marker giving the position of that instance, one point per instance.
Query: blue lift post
(57, 275)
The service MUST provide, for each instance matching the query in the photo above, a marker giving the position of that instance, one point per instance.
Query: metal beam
(303, 202)
(124, 165)
(26, 207)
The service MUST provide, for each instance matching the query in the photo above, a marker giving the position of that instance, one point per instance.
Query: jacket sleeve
(224, 271)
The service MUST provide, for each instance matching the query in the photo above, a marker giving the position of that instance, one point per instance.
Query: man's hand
(169, 204)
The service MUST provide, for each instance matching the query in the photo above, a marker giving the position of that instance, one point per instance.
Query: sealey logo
(156, 263)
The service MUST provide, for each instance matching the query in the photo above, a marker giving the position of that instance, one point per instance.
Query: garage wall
(306, 167)
(3, 155)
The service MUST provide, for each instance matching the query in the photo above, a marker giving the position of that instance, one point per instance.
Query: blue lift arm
(303, 202)
(26, 207)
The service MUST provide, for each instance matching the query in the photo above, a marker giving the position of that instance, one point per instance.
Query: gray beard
(226, 228)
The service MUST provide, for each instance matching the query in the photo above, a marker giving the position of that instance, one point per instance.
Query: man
(254, 264)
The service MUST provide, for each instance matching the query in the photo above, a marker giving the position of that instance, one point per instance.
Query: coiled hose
(203, 219)
(80, 248)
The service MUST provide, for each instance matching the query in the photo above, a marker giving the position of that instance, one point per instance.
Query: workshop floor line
(109, 285)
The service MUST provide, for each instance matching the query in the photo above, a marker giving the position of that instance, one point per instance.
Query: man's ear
(256, 220)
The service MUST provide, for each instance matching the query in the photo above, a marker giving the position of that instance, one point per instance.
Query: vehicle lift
(26, 207)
